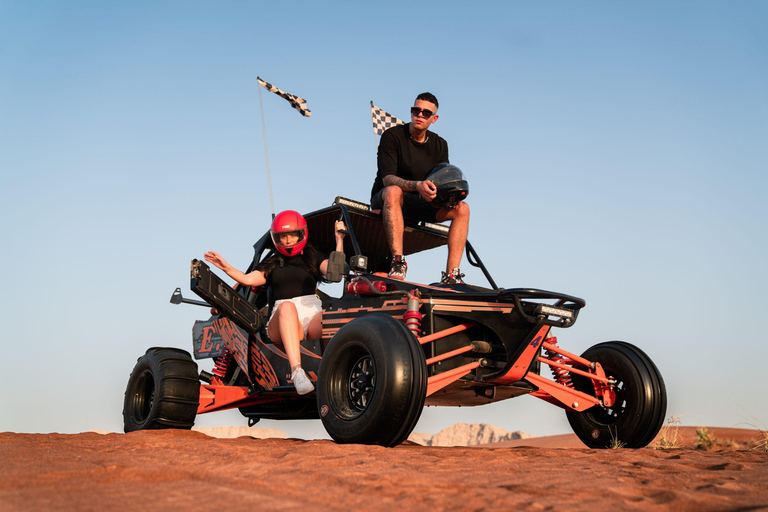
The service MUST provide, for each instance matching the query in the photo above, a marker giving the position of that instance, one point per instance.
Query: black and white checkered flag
(382, 120)
(296, 102)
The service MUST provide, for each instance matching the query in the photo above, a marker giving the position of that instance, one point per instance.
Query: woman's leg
(285, 328)
(315, 330)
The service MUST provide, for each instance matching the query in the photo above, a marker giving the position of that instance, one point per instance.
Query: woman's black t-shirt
(293, 278)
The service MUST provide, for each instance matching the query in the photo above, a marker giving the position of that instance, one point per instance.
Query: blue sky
(615, 151)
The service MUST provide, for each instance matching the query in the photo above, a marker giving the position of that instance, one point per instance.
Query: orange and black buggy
(390, 347)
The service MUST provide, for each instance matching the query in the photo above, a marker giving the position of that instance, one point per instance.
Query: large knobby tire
(372, 383)
(641, 399)
(163, 391)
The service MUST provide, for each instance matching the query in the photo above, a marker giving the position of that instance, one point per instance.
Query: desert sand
(188, 470)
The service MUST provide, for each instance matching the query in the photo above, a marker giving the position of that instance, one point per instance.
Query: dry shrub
(669, 436)
(704, 441)
(762, 443)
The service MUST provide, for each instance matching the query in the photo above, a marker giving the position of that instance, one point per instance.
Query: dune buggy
(389, 347)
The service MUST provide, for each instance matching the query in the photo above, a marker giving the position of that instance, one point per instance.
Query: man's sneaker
(399, 268)
(301, 382)
(453, 277)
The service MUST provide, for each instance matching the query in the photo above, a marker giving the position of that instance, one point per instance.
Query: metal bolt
(575, 405)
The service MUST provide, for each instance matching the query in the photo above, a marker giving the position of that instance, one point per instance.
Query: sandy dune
(183, 470)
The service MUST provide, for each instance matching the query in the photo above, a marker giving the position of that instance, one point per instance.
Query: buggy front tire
(372, 383)
(641, 399)
(163, 391)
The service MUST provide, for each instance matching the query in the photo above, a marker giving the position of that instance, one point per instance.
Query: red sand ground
(183, 470)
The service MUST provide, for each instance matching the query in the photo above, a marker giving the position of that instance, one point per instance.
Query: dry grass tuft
(761, 444)
(616, 443)
(669, 436)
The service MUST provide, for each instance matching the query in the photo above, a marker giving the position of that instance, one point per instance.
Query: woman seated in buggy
(293, 275)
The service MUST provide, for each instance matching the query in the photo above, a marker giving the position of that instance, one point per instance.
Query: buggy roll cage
(566, 307)
(420, 236)
(438, 229)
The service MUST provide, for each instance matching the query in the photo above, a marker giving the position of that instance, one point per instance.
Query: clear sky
(616, 151)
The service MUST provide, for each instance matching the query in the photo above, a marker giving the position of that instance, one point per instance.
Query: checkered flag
(382, 120)
(296, 102)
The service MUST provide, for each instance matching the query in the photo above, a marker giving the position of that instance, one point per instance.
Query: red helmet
(289, 222)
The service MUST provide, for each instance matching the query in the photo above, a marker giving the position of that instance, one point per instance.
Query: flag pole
(375, 141)
(266, 154)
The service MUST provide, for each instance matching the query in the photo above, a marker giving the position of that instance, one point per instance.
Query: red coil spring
(412, 317)
(222, 363)
(561, 376)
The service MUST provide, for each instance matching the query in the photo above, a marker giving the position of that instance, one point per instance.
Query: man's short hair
(428, 96)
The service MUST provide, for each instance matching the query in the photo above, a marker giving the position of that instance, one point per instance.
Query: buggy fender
(518, 367)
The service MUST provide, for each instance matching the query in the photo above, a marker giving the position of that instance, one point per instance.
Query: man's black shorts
(415, 207)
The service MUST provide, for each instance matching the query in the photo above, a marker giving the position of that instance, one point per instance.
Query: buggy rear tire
(163, 391)
(641, 399)
(372, 383)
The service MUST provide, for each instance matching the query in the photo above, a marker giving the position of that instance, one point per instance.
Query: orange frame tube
(571, 369)
(446, 332)
(439, 381)
(220, 397)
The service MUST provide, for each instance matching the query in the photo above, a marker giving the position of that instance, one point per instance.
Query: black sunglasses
(426, 114)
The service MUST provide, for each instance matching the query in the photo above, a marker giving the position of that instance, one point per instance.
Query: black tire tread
(395, 406)
(176, 391)
(651, 409)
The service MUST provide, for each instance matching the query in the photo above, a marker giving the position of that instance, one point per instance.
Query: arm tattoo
(406, 185)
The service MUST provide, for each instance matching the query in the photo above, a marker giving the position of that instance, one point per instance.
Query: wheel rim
(144, 397)
(362, 382)
(352, 384)
(610, 415)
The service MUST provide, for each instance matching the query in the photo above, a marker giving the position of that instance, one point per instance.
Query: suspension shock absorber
(412, 317)
(561, 376)
(222, 363)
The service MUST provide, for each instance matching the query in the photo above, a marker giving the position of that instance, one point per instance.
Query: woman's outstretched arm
(255, 278)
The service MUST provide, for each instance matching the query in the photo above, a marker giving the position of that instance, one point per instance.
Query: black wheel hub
(362, 382)
(144, 398)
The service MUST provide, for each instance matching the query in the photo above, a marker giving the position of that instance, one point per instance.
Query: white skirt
(306, 305)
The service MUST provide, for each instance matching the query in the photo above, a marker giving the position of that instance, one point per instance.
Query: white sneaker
(301, 382)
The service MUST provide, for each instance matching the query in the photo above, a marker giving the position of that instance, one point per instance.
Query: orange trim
(218, 398)
(519, 369)
(568, 398)
(272, 348)
(471, 308)
(571, 369)
(306, 352)
(574, 357)
(439, 381)
(448, 355)
(446, 332)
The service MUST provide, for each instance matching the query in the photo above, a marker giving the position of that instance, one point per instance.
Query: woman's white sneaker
(301, 382)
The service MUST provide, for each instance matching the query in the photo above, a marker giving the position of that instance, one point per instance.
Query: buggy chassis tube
(566, 396)
(218, 397)
(566, 305)
(557, 394)
(437, 382)
(475, 261)
(348, 223)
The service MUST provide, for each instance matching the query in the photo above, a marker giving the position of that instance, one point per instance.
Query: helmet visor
(288, 238)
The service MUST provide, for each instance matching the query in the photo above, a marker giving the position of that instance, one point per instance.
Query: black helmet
(452, 186)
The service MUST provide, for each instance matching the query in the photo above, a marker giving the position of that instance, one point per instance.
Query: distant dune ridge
(241, 431)
(462, 434)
